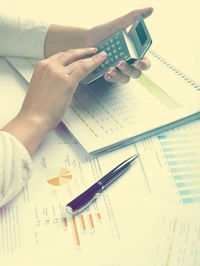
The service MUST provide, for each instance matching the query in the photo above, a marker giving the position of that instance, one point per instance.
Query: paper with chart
(108, 233)
(171, 162)
(119, 227)
(102, 116)
(36, 221)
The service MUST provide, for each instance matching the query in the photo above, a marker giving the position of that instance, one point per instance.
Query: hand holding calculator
(122, 46)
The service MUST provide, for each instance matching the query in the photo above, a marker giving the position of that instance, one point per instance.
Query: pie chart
(63, 177)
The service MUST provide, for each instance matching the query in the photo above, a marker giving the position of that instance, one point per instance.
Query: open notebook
(103, 116)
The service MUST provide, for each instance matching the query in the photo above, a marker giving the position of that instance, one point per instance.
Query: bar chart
(80, 228)
(182, 152)
(171, 165)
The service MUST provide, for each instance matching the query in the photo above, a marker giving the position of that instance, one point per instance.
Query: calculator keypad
(116, 50)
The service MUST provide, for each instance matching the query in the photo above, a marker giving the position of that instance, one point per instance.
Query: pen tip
(132, 158)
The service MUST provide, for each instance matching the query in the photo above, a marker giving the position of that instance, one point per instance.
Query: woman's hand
(54, 82)
(52, 86)
(99, 33)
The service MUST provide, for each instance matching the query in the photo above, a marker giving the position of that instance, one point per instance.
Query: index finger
(80, 69)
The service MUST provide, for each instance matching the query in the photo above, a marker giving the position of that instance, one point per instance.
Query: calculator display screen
(141, 33)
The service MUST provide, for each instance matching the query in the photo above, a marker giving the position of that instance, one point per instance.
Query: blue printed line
(187, 176)
(189, 192)
(188, 184)
(191, 200)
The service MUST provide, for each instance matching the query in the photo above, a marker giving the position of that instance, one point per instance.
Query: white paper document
(36, 220)
(115, 230)
(103, 116)
(171, 163)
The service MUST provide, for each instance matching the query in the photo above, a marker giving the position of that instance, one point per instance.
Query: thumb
(128, 19)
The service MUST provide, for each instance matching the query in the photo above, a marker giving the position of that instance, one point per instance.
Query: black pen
(78, 204)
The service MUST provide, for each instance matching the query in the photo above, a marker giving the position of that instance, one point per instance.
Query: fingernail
(93, 49)
(109, 71)
(107, 76)
(102, 55)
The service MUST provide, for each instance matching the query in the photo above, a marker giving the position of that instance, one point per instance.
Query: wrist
(62, 38)
(33, 121)
(29, 130)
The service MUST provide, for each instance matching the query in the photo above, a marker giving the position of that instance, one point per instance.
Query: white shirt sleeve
(25, 38)
(15, 167)
(22, 37)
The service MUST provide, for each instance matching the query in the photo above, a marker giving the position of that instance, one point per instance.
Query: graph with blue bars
(182, 152)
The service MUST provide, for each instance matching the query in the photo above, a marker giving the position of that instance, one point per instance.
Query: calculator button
(116, 36)
(118, 43)
(119, 48)
(121, 54)
(114, 51)
(113, 45)
(111, 40)
(108, 49)
(116, 57)
(109, 54)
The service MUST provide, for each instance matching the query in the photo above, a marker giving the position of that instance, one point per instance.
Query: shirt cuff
(15, 167)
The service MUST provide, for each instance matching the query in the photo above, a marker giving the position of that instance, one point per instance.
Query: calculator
(122, 46)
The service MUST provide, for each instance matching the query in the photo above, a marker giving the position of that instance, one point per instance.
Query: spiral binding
(175, 70)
